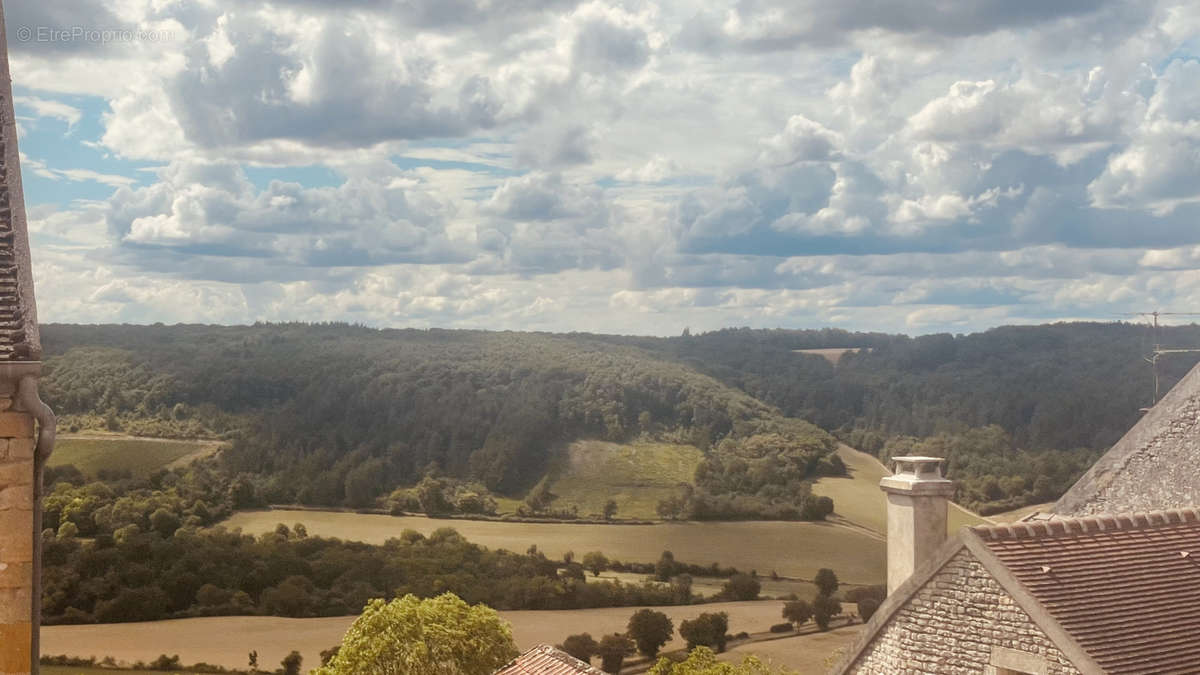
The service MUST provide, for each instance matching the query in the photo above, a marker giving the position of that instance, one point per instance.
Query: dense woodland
(346, 415)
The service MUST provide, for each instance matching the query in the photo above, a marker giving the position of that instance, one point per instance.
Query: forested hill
(338, 414)
(333, 414)
(1054, 386)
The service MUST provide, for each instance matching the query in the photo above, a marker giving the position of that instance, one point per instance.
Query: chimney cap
(918, 475)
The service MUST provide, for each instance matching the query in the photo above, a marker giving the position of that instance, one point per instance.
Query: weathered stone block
(20, 448)
(16, 642)
(16, 497)
(16, 575)
(16, 473)
(16, 536)
(16, 425)
(15, 604)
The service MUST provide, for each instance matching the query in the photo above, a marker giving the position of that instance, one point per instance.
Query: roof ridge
(1061, 527)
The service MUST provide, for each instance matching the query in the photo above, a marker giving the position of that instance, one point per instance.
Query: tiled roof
(18, 315)
(1126, 588)
(546, 660)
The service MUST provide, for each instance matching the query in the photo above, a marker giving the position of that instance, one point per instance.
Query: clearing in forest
(637, 475)
(139, 456)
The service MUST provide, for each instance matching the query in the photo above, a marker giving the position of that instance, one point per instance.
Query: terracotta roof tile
(1126, 587)
(546, 660)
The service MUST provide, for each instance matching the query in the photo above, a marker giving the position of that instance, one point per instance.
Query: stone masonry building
(23, 448)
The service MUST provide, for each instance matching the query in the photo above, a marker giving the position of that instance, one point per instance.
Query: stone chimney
(918, 497)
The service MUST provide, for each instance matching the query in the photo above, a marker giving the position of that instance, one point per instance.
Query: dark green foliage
(826, 581)
(143, 576)
(581, 646)
(709, 629)
(782, 628)
(612, 651)
(797, 611)
(595, 562)
(291, 663)
(825, 607)
(650, 630)
(343, 415)
(741, 587)
(867, 607)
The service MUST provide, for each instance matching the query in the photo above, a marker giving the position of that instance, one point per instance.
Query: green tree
(595, 562)
(797, 612)
(665, 568)
(825, 607)
(826, 581)
(703, 661)
(291, 663)
(253, 659)
(610, 509)
(741, 587)
(581, 646)
(540, 497)
(709, 629)
(438, 636)
(164, 522)
(651, 630)
(612, 650)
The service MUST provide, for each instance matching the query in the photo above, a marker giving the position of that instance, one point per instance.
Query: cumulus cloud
(616, 166)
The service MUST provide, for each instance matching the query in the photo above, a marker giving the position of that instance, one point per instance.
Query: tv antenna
(1158, 350)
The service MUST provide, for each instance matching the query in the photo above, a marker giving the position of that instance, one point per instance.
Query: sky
(634, 166)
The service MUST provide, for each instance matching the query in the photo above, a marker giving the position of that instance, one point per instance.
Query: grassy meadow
(791, 549)
(858, 499)
(140, 456)
(226, 641)
(636, 475)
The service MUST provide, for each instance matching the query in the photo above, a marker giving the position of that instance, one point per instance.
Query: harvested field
(226, 640)
(812, 654)
(789, 548)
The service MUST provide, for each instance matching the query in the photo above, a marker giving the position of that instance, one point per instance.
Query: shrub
(581, 646)
(612, 650)
(782, 628)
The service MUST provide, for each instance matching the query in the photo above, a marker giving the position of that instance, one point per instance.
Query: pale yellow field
(812, 654)
(791, 549)
(226, 641)
(858, 499)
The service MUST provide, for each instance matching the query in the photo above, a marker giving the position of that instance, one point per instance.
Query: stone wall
(953, 624)
(16, 541)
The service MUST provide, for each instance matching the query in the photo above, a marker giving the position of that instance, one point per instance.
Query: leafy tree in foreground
(439, 636)
(581, 646)
(709, 630)
(613, 650)
(650, 630)
(797, 612)
(703, 661)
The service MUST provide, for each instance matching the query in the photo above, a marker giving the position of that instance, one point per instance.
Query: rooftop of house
(1152, 466)
(19, 340)
(547, 660)
(1116, 593)
(1126, 588)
